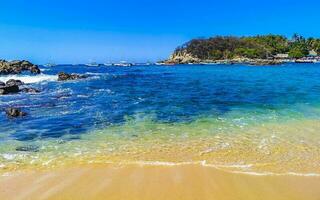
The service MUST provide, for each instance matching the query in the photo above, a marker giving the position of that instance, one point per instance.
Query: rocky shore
(187, 58)
(14, 86)
(18, 67)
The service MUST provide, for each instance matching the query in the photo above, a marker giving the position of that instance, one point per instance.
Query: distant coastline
(255, 50)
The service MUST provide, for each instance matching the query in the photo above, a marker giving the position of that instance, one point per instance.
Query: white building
(282, 56)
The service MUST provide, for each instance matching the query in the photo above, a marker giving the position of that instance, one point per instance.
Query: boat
(92, 64)
(306, 61)
(50, 65)
(108, 64)
(123, 64)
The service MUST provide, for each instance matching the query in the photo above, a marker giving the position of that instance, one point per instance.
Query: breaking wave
(30, 79)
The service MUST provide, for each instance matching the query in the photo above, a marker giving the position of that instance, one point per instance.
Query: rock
(34, 69)
(66, 77)
(2, 83)
(12, 86)
(263, 62)
(30, 90)
(15, 112)
(13, 82)
(29, 148)
(17, 67)
(9, 89)
(182, 58)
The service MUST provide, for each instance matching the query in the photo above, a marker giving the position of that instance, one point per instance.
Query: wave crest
(30, 79)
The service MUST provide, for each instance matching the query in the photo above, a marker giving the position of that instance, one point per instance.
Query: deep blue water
(169, 94)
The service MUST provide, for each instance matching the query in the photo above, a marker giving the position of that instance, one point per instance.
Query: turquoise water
(262, 119)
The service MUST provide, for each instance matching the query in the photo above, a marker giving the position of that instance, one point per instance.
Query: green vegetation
(261, 46)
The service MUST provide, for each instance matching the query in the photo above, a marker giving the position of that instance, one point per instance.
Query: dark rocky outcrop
(13, 82)
(15, 112)
(17, 67)
(9, 89)
(62, 76)
(14, 86)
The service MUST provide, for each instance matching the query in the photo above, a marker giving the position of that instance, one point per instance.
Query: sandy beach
(137, 182)
(159, 100)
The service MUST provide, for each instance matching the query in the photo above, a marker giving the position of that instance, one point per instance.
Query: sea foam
(225, 168)
(30, 79)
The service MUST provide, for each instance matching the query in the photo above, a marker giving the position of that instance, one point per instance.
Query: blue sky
(79, 31)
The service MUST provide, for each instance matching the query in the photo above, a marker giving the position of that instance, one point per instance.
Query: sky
(82, 31)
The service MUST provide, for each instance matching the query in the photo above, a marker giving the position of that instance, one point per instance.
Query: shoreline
(242, 61)
(235, 153)
(236, 169)
(109, 181)
(250, 62)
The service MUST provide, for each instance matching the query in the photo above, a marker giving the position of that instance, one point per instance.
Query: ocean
(258, 120)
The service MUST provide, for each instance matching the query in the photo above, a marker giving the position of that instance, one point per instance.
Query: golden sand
(78, 169)
(137, 182)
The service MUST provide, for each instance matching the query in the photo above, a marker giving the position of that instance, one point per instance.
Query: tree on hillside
(261, 46)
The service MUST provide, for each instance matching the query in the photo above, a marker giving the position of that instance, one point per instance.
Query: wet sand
(137, 182)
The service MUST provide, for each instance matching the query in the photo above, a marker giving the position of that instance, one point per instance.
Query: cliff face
(182, 57)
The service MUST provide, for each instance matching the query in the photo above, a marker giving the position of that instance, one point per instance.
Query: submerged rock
(9, 89)
(30, 90)
(2, 83)
(17, 67)
(29, 148)
(15, 112)
(62, 76)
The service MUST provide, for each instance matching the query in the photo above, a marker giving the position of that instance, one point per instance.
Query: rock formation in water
(30, 90)
(13, 82)
(15, 112)
(13, 86)
(62, 76)
(8, 89)
(17, 67)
